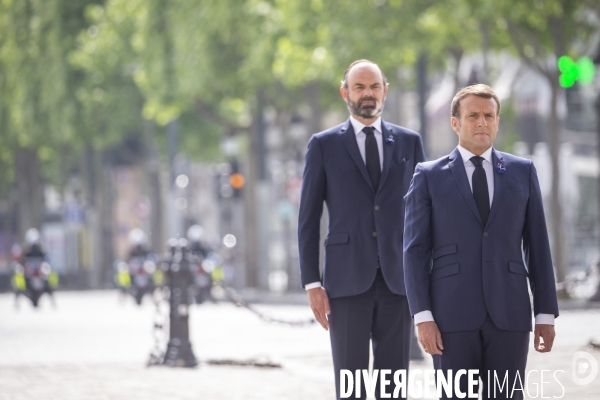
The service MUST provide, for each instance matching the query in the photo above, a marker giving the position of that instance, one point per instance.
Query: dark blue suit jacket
(364, 222)
(462, 270)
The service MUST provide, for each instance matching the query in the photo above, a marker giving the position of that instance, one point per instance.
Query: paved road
(95, 347)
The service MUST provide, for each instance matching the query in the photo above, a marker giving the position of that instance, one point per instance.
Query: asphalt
(94, 346)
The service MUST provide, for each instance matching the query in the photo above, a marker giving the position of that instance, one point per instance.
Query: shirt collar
(358, 126)
(466, 154)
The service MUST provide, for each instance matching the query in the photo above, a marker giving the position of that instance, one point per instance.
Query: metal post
(179, 349)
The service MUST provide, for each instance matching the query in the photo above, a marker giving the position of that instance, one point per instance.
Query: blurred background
(125, 123)
(159, 115)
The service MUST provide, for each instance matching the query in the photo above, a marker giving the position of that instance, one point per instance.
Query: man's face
(365, 95)
(477, 124)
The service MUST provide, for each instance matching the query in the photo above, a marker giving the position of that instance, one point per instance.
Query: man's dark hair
(345, 80)
(478, 89)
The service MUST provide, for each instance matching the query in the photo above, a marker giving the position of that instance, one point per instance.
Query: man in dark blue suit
(361, 169)
(474, 236)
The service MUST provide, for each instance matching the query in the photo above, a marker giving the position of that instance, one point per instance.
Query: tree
(38, 108)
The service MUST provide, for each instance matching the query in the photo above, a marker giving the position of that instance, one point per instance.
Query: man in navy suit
(474, 236)
(361, 169)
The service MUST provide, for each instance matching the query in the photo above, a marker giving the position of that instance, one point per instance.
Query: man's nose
(482, 121)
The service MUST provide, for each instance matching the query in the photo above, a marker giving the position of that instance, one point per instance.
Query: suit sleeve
(536, 249)
(314, 184)
(417, 243)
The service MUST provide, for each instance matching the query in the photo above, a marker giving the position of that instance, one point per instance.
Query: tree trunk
(105, 203)
(457, 55)
(157, 240)
(422, 89)
(485, 45)
(30, 191)
(556, 220)
(89, 173)
(598, 152)
(596, 296)
(316, 110)
(256, 174)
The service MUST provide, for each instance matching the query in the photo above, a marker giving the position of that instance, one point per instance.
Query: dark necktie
(480, 189)
(372, 156)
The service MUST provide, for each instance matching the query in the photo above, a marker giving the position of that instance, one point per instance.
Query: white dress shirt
(488, 167)
(361, 137)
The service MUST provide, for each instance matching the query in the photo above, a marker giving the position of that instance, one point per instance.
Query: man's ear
(344, 93)
(455, 124)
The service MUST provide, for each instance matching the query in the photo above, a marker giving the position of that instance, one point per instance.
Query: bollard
(177, 267)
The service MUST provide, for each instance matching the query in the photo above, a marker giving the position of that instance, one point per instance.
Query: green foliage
(111, 101)
(76, 71)
(35, 101)
(536, 29)
(37, 107)
(507, 136)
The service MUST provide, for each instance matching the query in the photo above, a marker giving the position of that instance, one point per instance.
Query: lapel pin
(389, 139)
(403, 159)
(500, 168)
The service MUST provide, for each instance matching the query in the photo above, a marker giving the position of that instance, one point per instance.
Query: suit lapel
(498, 184)
(388, 151)
(349, 139)
(460, 176)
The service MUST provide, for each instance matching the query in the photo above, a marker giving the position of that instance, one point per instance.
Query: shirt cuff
(423, 316)
(545, 319)
(312, 285)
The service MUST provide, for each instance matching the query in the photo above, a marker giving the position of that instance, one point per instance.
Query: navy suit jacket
(462, 270)
(364, 222)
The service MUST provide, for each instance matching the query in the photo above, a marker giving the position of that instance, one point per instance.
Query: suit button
(485, 234)
(374, 234)
(376, 208)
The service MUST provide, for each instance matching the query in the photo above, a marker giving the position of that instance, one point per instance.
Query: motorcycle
(33, 277)
(201, 269)
(138, 276)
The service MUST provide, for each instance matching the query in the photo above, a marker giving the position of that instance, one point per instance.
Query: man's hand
(319, 303)
(430, 337)
(546, 334)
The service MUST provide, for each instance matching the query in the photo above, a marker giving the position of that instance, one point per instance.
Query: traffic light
(236, 179)
(583, 71)
(229, 181)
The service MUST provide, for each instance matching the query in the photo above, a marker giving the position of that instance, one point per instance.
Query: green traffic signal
(583, 71)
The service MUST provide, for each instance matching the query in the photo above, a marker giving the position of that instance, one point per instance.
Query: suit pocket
(517, 268)
(444, 271)
(336, 238)
(444, 251)
(514, 187)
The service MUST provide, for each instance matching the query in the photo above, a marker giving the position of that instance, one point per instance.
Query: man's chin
(368, 113)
